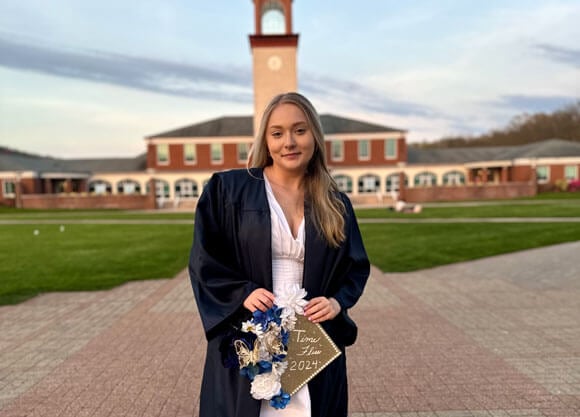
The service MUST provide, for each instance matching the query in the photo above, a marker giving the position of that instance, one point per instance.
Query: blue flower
(281, 400)
(250, 371)
(285, 336)
(273, 314)
(278, 358)
(265, 367)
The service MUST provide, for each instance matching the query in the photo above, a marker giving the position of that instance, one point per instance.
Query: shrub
(561, 185)
(574, 185)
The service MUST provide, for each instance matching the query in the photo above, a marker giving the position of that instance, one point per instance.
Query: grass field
(98, 256)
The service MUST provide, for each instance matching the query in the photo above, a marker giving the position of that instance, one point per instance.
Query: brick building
(368, 161)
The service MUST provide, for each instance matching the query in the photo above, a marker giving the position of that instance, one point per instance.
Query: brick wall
(476, 192)
(62, 201)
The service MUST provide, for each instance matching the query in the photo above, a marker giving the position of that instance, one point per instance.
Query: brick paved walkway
(494, 337)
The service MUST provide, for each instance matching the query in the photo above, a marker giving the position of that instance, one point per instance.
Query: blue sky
(82, 78)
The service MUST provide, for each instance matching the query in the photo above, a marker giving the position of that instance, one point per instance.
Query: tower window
(273, 21)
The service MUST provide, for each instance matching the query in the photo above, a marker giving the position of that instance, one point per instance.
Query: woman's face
(289, 139)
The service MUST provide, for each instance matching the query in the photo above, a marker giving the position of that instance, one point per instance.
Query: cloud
(165, 77)
(361, 96)
(534, 104)
(566, 55)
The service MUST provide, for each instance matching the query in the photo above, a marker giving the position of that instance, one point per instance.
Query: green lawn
(407, 247)
(87, 257)
(91, 256)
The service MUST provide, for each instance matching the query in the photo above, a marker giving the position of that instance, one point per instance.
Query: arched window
(344, 183)
(128, 187)
(454, 178)
(186, 188)
(100, 187)
(425, 179)
(273, 20)
(368, 184)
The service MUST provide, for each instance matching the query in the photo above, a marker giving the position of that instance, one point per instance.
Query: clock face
(274, 62)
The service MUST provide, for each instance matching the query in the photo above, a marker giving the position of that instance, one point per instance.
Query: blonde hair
(327, 207)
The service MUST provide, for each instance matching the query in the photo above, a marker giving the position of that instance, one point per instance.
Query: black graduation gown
(231, 256)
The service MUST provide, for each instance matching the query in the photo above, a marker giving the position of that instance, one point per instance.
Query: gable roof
(22, 162)
(332, 125)
(222, 126)
(244, 126)
(551, 148)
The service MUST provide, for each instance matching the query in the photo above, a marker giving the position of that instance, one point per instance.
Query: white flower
(292, 297)
(265, 386)
(250, 327)
(278, 368)
(289, 321)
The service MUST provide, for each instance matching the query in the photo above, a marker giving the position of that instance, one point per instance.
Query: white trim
(364, 136)
(488, 164)
(63, 175)
(200, 140)
(571, 160)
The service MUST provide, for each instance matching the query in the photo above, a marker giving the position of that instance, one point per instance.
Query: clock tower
(274, 53)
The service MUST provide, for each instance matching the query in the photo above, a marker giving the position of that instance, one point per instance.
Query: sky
(89, 79)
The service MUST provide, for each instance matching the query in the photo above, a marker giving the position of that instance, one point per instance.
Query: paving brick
(497, 337)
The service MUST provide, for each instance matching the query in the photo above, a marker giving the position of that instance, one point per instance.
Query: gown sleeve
(359, 267)
(218, 283)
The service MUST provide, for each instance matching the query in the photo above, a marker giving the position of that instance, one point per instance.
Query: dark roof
(223, 126)
(19, 162)
(551, 148)
(244, 125)
(333, 125)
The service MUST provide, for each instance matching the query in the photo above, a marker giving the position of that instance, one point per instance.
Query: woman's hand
(260, 299)
(320, 309)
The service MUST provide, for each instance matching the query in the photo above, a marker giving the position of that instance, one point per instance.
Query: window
(216, 153)
(163, 154)
(186, 188)
(243, 152)
(189, 153)
(542, 174)
(8, 188)
(344, 183)
(390, 148)
(273, 21)
(128, 187)
(161, 188)
(336, 150)
(100, 187)
(453, 178)
(364, 152)
(571, 172)
(368, 184)
(393, 182)
(425, 179)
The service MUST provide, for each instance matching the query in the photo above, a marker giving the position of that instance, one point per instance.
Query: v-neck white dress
(287, 268)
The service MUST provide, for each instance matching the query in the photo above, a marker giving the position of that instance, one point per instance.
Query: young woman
(283, 221)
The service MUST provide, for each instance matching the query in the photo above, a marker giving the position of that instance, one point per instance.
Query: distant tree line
(525, 128)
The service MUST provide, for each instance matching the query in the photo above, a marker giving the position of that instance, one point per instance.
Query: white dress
(287, 268)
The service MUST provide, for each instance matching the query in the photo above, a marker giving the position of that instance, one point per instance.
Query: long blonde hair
(321, 189)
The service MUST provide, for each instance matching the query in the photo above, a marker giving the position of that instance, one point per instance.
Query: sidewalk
(498, 337)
